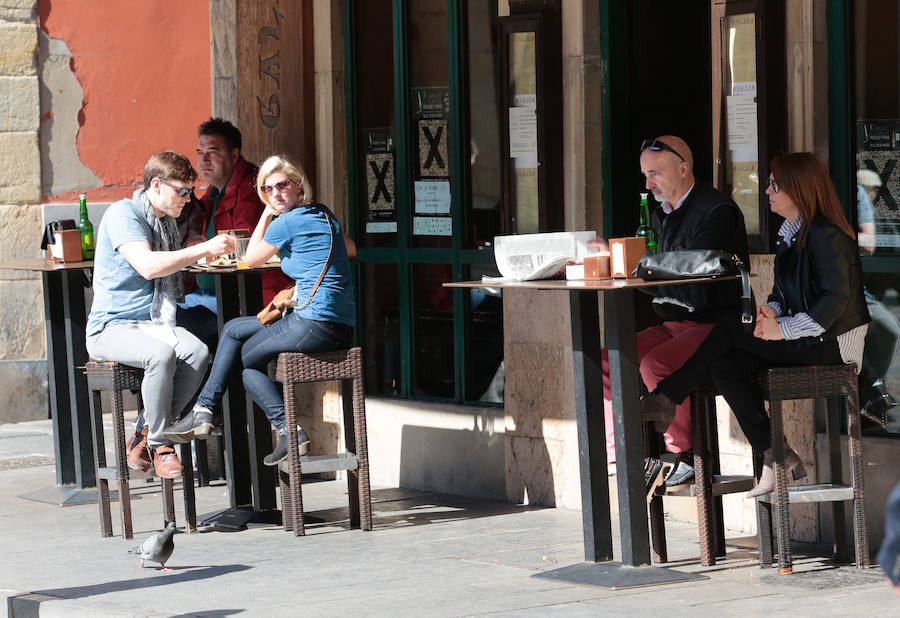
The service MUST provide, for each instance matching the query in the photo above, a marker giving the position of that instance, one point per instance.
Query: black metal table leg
(73, 443)
(622, 346)
(251, 485)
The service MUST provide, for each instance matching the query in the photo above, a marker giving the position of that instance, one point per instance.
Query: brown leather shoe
(138, 452)
(166, 463)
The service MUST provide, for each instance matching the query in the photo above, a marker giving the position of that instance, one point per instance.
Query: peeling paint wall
(120, 81)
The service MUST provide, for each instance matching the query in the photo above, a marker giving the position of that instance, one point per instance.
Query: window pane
(877, 130)
(522, 110)
(484, 352)
(381, 328)
(429, 100)
(433, 373)
(375, 117)
(877, 178)
(741, 127)
(484, 148)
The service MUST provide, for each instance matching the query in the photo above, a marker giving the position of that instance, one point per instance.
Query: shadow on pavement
(400, 508)
(198, 573)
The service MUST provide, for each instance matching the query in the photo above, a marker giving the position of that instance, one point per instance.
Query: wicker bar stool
(833, 382)
(115, 378)
(709, 484)
(295, 368)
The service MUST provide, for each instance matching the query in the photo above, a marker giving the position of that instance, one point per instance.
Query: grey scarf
(169, 289)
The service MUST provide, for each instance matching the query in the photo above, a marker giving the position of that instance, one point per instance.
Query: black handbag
(696, 263)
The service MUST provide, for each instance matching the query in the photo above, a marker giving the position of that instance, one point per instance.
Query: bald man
(691, 215)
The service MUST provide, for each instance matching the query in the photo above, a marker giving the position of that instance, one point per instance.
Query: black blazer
(822, 279)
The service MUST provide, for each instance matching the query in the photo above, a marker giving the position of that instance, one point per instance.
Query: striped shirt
(850, 343)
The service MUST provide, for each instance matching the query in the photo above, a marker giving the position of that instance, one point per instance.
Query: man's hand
(219, 245)
(767, 328)
(598, 244)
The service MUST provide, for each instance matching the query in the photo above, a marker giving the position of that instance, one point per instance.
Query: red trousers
(661, 350)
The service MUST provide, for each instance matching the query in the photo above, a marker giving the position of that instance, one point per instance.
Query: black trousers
(733, 358)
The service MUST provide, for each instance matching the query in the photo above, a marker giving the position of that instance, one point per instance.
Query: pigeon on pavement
(158, 547)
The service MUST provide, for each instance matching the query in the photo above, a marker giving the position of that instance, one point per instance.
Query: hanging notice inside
(741, 117)
(432, 106)
(432, 197)
(877, 134)
(522, 132)
(432, 226)
(379, 166)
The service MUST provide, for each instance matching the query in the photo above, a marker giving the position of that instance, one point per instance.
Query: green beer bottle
(87, 231)
(645, 230)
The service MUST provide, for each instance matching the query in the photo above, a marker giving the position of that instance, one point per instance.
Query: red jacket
(240, 207)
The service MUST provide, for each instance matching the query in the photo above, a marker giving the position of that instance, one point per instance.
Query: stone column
(23, 368)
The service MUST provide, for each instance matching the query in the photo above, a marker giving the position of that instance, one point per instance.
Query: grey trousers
(172, 375)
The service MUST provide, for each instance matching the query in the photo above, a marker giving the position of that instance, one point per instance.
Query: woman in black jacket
(816, 313)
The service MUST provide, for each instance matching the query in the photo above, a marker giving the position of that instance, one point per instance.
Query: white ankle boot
(792, 463)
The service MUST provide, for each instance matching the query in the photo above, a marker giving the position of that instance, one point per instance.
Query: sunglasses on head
(279, 187)
(182, 192)
(655, 145)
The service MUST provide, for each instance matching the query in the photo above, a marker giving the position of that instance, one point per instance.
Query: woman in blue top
(302, 233)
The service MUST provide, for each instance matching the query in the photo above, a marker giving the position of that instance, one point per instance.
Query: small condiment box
(624, 255)
(66, 246)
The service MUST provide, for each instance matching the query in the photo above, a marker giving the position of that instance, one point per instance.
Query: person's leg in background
(876, 403)
(661, 349)
(661, 361)
(646, 340)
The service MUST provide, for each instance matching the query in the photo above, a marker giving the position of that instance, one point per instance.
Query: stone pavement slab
(429, 555)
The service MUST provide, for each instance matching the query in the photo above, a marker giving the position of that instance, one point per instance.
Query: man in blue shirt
(137, 283)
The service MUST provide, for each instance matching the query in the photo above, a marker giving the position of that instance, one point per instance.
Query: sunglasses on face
(772, 183)
(278, 187)
(655, 145)
(182, 192)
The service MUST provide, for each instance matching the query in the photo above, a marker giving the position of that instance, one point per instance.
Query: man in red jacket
(230, 203)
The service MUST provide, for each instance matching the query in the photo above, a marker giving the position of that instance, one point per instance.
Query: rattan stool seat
(295, 368)
(115, 378)
(813, 382)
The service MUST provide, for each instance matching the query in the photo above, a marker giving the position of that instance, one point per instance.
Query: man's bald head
(668, 165)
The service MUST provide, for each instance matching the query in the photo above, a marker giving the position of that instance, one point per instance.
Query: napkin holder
(624, 255)
(66, 246)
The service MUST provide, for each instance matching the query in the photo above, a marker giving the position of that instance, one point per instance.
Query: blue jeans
(247, 343)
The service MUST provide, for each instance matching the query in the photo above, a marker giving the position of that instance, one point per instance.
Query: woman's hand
(765, 311)
(767, 327)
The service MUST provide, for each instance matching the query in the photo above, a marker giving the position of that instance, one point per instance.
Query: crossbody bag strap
(327, 261)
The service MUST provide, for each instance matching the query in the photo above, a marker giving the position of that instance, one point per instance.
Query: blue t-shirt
(120, 292)
(303, 239)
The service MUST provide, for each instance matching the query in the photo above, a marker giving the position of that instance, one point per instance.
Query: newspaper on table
(524, 257)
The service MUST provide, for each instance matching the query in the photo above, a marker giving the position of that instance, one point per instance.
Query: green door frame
(403, 255)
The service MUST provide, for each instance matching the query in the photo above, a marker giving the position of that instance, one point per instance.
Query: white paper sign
(432, 226)
(522, 132)
(432, 197)
(741, 113)
(743, 88)
(381, 227)
(525, 100)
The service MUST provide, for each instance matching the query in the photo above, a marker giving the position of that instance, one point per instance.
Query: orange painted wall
(144, 68)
